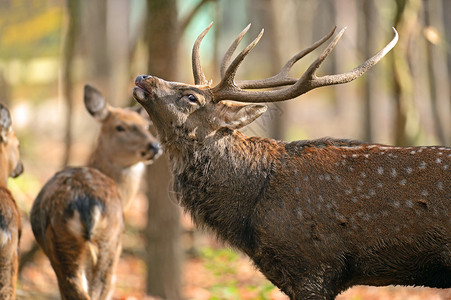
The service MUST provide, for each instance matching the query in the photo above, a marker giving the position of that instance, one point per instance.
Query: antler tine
(231, 50)
(358, 71)
(282, 78)
(308, 81)
(227, 80)
(199, 76)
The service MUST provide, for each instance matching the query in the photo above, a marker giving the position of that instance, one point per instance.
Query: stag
(315, 216)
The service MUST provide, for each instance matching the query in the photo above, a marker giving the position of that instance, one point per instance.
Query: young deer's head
(124, 138)
(10, 163)
(181, 110)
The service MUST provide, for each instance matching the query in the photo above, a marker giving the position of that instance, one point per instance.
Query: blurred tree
(370, 13)
(438, 75)
(163, 248)
(269, 14)
(73, 15)
(406, 119)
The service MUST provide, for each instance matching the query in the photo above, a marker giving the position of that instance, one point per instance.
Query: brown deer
(77, 218)
(315, 216)
(10, 225)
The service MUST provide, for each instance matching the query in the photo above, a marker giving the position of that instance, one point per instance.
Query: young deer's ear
(5, 123)
(236, 115)
(95, 103)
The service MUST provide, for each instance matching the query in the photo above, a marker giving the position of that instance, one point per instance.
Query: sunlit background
(50, 48)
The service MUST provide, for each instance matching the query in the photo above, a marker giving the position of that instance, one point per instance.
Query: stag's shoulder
(323, 143)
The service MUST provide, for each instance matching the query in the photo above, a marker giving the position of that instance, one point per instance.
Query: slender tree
(73, 13)
(163, 248)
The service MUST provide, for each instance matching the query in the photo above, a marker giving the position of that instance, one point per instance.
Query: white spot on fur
(438, 160)
(84, 281)
(393, 172)
(379, 184)
(363, 174)
(380, 170)
(74, 225)
(440, 185)
(409, 203)
(424, 193)
(403, 181)
(348, 191)
(412, 152)
(409, 170)
(5, 237)
(422, 165)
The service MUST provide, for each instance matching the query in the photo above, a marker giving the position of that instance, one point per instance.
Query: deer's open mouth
(140, 94)
(141, 91)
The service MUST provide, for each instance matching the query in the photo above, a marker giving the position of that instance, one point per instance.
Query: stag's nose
(141, 77)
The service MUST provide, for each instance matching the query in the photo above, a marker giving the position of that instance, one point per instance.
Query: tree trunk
(406, 120)
(370, 12)
(437, 71)
(68, 56)
(164, 251)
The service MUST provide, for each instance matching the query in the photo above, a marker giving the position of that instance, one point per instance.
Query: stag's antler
(231, 90)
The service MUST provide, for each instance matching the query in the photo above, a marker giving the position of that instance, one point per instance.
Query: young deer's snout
(154, 150)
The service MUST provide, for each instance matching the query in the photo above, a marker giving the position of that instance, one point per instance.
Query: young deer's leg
(102, 277)
(8, 275)
(66, 255)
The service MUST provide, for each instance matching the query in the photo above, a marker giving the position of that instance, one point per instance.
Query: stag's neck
(208, 180)
(127, 178)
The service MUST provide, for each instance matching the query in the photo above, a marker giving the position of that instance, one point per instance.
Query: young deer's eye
(192, 98)
(120, 128)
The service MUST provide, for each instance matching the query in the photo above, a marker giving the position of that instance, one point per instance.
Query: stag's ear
(95, 103)
(5, 123)
(236, 115)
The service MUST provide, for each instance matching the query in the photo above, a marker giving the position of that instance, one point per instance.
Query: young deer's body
(316, 217)
(10, 224)
(77, 218)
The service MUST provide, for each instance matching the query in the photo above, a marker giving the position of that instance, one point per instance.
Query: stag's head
(199, 110)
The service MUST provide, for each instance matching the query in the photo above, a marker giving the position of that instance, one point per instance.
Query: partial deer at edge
(77, 218)
(315, 216)
(10, 223)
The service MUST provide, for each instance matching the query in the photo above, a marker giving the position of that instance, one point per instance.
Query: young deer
(316, 217)
(77, 217)
(10, 226)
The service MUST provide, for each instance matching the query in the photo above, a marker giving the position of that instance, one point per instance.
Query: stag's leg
(102, 277)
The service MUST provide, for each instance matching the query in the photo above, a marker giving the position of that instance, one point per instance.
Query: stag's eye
(192, 98)
(120, 128)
